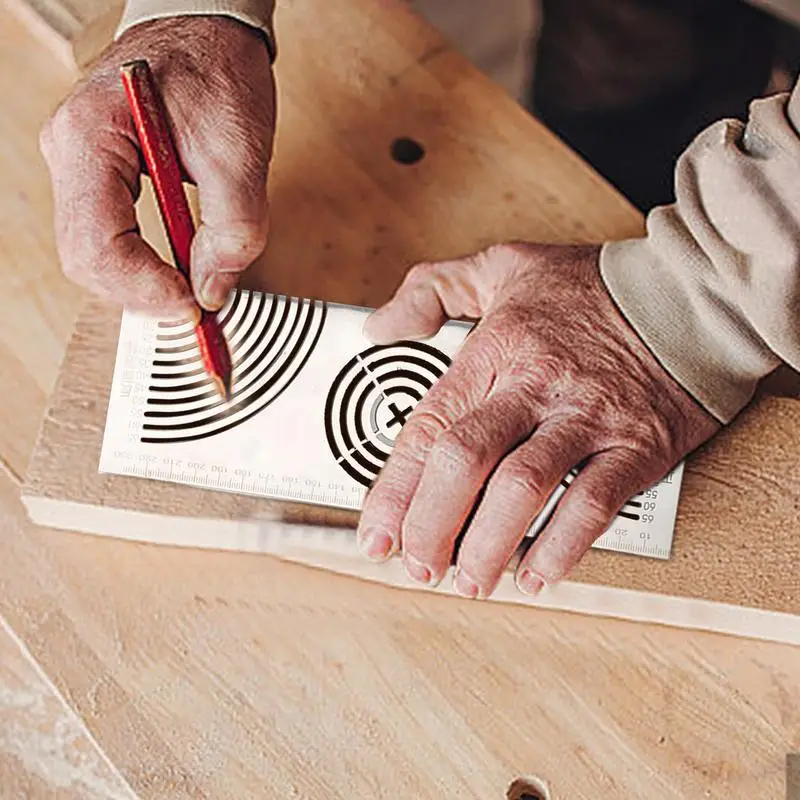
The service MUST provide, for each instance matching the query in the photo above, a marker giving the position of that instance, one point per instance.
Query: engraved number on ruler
(135, 375)
(240, 479)
(639, 536)
(629, 536)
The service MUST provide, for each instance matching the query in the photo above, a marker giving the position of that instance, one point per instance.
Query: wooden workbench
(135, 671)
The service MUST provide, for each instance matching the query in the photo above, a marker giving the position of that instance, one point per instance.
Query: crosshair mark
(371, 399)
(399, 416)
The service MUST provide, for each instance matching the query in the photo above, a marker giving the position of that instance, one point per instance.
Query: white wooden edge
(335, 550)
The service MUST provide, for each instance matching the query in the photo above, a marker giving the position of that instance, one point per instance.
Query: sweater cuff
(699, 339)
(714, 288)
(255, 13)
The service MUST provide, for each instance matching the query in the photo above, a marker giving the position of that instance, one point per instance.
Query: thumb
(233, 230)
(430, 295)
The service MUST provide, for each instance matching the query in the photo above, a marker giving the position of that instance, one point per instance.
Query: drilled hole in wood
(407, 151)
(527, 789)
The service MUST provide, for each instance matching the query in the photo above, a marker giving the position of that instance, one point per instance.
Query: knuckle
(420, 433)
(383, 504)
(73, 269)
(484, 560)
(551, 370)
(595, 407)
(238, 152)
(421, 273)
(595, 504)
(91, 267)
(416, 539)
(495, 251)
(86, 272)
(517, 477)
(510, 254)
(68, 122)
(514, 248)
(455, 449)
(257, 236)
(246, 239)
(151, 293)
(651, 439)
(648, 447)
(554, 559)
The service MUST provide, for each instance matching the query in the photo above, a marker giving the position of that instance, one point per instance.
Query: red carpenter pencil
(161, 159)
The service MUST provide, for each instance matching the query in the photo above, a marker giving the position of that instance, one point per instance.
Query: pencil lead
(223, 385)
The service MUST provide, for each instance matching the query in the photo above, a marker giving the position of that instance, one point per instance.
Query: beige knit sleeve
(257, 13)
(714, 287)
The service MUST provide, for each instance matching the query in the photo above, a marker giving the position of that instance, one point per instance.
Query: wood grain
(221, 675)
(39, 319)
(45, 750)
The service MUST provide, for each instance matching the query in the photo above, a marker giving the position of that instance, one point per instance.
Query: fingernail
(212, 293)
(417, 570)
(464, 585)
(376, 545)
(528, 583)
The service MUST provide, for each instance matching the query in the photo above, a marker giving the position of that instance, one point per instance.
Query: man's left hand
(550, 378)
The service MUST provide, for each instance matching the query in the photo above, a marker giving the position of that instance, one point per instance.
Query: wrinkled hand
(550, 377)
(217, 83)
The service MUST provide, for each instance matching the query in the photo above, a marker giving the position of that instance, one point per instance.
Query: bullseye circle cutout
(370, 400)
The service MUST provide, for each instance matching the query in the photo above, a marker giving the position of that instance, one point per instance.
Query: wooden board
(736, 534)
(223, 675)
(477, 184)
(202, 674)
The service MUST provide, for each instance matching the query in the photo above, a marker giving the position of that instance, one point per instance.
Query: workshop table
(129, 670)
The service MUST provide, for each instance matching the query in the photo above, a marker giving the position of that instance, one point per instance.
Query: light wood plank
(736, 530)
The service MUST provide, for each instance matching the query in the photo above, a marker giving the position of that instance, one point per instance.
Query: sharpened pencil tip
(223, 387)
(227, 388)
(215, 354)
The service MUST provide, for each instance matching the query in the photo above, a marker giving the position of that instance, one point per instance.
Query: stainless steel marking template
(315, 410)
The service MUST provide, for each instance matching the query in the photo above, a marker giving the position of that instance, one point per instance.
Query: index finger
(95, 176)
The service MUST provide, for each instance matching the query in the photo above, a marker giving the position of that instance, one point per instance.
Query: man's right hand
(218, 88)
